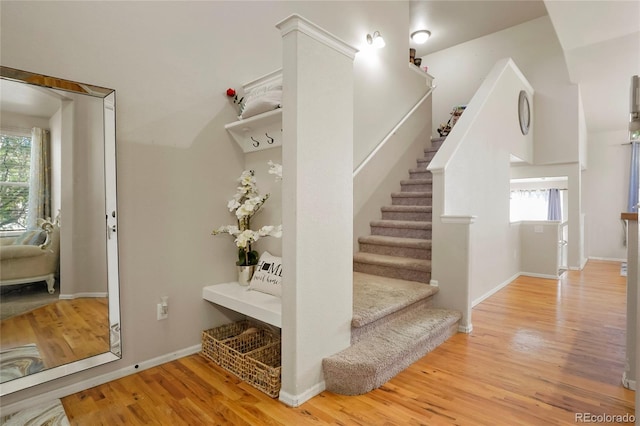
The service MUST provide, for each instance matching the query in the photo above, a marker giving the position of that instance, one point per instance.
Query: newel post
(317, 208)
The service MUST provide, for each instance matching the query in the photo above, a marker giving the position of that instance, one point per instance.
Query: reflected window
(15, 159)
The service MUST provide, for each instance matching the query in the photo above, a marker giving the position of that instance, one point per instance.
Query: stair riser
(407, 252)
(425, 187)
(428, 155)
(359, 333)
(422, 163)
(422, 174)
(340, 377)
(424, 234)
(420, 217)
(392, 272)
(436, 144)
(410, 201)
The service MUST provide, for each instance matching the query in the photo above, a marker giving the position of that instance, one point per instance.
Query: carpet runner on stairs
(393, 322)
(393, 326)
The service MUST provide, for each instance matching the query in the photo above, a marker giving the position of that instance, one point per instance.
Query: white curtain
(39, 178)
(528, 204)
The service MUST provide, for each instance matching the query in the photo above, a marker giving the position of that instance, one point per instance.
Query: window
(15, 153)
(530, 204)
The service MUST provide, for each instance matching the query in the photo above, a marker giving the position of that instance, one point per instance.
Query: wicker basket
(212, 339)
(231, 353)
(264, 369)
(251, 354)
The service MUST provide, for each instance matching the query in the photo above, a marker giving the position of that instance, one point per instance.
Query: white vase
(245, 273)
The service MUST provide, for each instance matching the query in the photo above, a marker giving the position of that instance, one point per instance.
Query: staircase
(393, 322)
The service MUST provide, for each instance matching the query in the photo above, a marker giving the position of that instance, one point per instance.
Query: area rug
(49, 414)
(23, 298)
(19, 361)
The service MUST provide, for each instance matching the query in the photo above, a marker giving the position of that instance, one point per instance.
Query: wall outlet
(163, 312)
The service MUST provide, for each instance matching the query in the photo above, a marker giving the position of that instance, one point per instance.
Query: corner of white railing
(458, 219)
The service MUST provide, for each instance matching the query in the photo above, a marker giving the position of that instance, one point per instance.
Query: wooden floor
(63, 331)
(541, 351)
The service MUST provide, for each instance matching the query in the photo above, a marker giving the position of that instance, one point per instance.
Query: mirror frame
(113, 286)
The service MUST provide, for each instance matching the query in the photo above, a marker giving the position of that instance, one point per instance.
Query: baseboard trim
(301, 398)
(79, 295)
(535, 275)
(629, 384)
(98, 380)
(495, 290)
(465, 328)
(608, 259)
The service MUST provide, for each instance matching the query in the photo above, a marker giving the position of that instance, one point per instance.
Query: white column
(317, 206)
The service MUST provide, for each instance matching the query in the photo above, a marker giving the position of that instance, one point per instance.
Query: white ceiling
(584, 23)
(453, 22)
(24, 99)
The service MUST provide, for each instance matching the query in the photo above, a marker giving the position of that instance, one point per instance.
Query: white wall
(606, 184)
(472, 178)
(539, 248)
(534, 47)
(83, 231)
(170, 63)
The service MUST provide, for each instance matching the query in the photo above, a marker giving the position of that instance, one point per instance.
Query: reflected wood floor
(541, 350)
(64, 330)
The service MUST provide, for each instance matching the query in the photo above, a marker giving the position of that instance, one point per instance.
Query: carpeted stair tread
(396, 241)
(417, 181)
(419, 170)
(425, 194)
(374, 360)
(375, 297)
(401, 208)
(407, 224)
(393, 261)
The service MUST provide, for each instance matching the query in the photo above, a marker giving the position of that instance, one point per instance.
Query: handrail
(364, 162)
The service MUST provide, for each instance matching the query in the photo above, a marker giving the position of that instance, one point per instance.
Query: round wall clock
(524, 112)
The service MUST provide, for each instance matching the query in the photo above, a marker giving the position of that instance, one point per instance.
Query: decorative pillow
(268, 275)
(264, 102)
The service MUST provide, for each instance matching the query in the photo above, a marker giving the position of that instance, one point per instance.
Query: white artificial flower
(247, 202)
(275, 169)
(227, 229)
(277, 232)
(233, 204)
(246, 179)
(271, 231)
(245, 238)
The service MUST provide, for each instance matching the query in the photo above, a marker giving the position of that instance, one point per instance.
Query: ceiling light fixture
(420, 36)
(376, 40)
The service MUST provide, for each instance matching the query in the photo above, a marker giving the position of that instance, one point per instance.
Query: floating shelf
(259, 132)
(261, 306)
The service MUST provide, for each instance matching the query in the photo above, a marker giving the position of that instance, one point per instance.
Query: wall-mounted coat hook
(255, 142)
(270, 141)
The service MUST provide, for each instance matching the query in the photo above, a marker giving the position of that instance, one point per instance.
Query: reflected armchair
(32, 256)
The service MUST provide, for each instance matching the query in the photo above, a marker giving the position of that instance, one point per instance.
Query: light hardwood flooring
(541, 351)
(63, 331)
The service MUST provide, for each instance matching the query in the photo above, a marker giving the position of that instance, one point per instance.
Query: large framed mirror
(59, 287)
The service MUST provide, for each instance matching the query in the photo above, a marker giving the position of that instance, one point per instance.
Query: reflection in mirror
(59, 297)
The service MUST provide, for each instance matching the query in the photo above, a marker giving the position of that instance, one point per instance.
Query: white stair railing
(383, 142)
